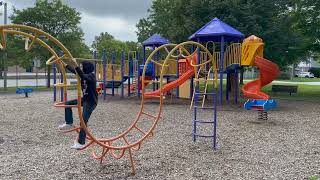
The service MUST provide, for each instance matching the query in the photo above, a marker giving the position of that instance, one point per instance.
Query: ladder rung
(204, 107)
(65, 85)
(155, 117)
(199, 96)
(200, 93)
(206, 136)
(140, 130)
(204, 121)
(196, 80)
(125, 140)
(63, 105)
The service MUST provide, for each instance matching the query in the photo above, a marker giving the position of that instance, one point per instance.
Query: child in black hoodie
(89, 100)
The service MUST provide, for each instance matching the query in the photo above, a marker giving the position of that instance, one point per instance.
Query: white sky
(117, 17)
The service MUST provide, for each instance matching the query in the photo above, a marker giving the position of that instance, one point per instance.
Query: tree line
(289, 28)
(63, 23)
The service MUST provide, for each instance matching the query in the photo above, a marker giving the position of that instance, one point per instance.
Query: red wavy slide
(185, 76)
(269, 71)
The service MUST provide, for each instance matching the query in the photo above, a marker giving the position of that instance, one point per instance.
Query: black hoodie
(88, 81)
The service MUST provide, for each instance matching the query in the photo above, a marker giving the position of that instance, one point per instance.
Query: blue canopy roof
(214, 30)
(155, 40)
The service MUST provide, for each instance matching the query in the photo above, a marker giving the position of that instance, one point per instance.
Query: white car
(305, 74)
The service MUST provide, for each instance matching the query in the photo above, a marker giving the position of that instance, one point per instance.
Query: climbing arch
(103, 147)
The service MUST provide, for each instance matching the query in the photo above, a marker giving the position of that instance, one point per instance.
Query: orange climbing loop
(108, 146)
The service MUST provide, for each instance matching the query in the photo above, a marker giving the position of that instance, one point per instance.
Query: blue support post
(138, 77)
(196, 99)
(177, 89)
(54, 68)
(221, 68)
(104, 73)
(130, 64)
(112, 72)
(122, 74)
(236, 89)
(215, 122)
(228, 86)
(144, 54)
(95, 62)
(61, 80)
(153, 71)
(198, 58)
(194, 121)
(61, 89)
(192, 79)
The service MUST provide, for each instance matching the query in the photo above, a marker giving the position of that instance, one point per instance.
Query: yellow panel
(169, 70)
(184, 90)
(114, 72)
(251, 47)
(232, 55)
(99, 71)
(126, 68)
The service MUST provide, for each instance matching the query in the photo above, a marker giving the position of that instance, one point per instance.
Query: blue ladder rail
(204, 121)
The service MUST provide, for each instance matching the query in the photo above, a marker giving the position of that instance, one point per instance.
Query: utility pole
(5, 52)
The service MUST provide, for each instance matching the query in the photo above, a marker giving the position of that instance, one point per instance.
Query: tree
(108, 42)
(307, 22)
(58, 20)
(278, 23)
(144, 27)
(102, 37)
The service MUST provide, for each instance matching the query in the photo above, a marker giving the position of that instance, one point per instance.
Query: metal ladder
(212, 122)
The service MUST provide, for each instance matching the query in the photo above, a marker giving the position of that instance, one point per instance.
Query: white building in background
(307, 65)
(36, 64)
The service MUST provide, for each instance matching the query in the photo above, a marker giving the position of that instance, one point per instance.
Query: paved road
(305, 83)
(289, 82)
(42, 82)
(27, 82)
(32, 82)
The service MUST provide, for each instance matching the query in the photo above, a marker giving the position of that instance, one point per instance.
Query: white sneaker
(65, 127)
(77, 146)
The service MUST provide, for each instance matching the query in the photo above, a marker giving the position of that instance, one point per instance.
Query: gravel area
(286, 146)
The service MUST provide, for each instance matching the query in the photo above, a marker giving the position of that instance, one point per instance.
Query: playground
(286, 146)
(161, 111)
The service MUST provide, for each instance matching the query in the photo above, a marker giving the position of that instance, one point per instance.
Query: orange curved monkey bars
(108, 145)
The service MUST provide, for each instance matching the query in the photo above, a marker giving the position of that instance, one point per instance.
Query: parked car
(305, 74)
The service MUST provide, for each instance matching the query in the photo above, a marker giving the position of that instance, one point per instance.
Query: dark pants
(87, 110)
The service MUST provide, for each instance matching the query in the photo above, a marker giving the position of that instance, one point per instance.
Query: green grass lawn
(305, 92)
(314, 178)
(297, 79)
(13, 89)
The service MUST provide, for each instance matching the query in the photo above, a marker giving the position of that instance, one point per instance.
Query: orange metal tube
(106, 143)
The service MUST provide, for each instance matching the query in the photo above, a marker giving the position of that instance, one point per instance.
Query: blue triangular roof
(213, 31)
(155, 40)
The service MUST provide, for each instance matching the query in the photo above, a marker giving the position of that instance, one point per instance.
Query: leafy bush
(284, 76)
(315, 71)
(314, 178)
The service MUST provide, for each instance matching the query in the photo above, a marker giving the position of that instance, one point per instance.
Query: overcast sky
(117, 17)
